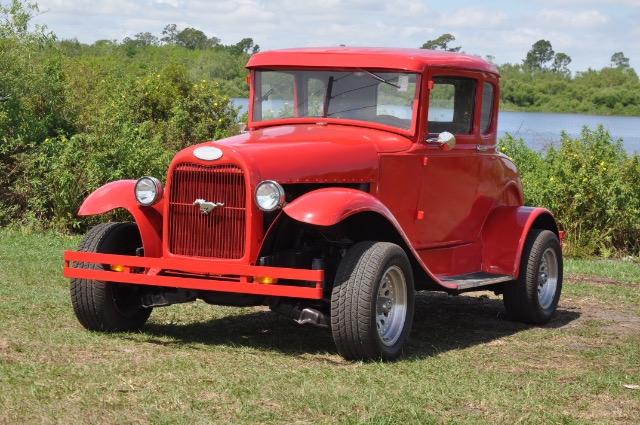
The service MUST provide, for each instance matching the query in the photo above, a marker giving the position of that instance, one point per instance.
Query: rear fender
(120, 194)
(505, 233)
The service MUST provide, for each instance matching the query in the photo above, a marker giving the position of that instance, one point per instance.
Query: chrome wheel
(372, 302)
(547, 278)
(391, 305)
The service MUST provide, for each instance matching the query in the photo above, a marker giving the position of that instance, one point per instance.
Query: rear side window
(487, 107)
(451, 103)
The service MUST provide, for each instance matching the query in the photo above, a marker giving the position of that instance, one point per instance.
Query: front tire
(372, 302)
(108, 306)
(533, 297)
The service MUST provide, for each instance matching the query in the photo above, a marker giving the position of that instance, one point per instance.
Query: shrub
(63, 172)
(140, 126)
(32, 101)
(590, 184)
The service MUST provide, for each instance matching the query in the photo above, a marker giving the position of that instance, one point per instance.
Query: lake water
(539, 130)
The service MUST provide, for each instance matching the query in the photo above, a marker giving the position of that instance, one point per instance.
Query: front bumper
(199, 274)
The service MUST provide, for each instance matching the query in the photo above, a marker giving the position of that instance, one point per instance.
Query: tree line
(542, 82)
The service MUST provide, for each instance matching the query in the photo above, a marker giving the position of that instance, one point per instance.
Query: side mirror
(445, 140)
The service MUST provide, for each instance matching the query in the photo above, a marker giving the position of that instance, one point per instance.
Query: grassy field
(195, 363)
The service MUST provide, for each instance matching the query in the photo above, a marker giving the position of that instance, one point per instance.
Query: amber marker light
(265, 280)
(117, 268)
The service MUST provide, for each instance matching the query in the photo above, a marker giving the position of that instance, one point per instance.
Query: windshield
(379, 97)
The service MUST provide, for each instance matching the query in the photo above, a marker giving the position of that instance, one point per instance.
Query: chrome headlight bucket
(148, 191)
(269, 196)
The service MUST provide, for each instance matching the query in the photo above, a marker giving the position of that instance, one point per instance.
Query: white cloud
(475, 17)
(563, 19)
(605, 3)
(174, 3)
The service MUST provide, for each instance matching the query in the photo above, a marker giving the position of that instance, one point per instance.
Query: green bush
(63, 172)
(32, 96)
(141, 124)
(590, 184)
(74, 117)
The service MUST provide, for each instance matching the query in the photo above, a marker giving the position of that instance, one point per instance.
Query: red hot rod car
(364, 174)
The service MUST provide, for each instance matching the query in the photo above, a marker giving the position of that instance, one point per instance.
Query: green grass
(627, 270)
(195, 363)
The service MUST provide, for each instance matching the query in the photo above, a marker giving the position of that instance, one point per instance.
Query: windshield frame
(390, 80)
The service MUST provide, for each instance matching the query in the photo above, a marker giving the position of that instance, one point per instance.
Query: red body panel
(504, 235)
(227, 278)
(119, 194)
(369, 58)
(312, 153)
(326, 207)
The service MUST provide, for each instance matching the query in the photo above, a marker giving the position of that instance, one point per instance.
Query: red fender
(120, 194)
(505, 233)
(326, 207)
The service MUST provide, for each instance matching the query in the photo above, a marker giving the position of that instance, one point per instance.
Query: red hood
(307, 153)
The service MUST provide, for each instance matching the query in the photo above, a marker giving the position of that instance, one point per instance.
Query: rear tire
(372, 302)
(108, 306)
(533, 297)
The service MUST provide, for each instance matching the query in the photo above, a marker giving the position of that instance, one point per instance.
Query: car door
(445, 214)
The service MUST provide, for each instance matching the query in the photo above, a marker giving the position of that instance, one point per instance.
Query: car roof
(416, 60)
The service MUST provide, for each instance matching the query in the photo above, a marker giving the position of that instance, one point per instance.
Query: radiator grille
(219, 234)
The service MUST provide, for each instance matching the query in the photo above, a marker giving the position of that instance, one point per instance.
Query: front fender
(326, 207)
(505, 233)
(120, 194)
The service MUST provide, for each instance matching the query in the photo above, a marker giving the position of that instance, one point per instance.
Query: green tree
(441, 43)
(170, 34)
(193, 39)
(146, 39)
(140, 41)
(619, 60)
(561, 62)
(14, 18)
(539, 55)
(245, 46)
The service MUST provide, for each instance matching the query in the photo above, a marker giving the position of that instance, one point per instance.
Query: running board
(475, 280)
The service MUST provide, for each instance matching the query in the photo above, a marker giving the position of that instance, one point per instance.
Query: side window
(451, 103)
(487, 107)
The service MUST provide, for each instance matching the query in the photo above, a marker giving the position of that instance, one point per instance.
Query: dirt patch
(596, 280)
(618, 318)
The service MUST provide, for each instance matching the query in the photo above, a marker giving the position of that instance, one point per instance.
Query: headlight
(269, 195)
(148, 191)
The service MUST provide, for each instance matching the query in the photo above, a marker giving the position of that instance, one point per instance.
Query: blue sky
(589, 31)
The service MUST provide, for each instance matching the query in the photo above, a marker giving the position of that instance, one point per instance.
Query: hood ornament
(207, 207)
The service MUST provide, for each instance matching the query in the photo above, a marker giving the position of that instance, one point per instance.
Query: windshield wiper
(379, 78)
